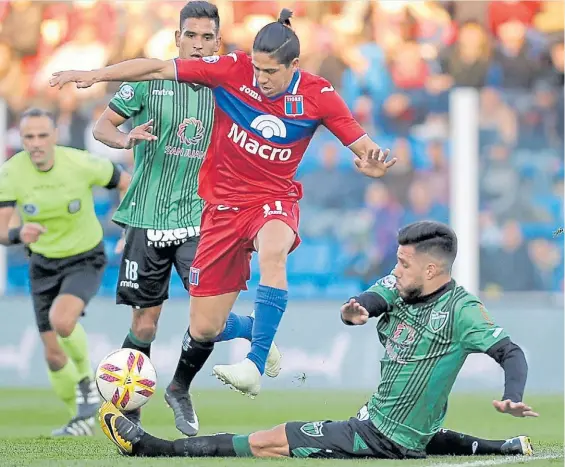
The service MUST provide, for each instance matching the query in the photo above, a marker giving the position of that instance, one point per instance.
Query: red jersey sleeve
(208, 71)
(337, 117)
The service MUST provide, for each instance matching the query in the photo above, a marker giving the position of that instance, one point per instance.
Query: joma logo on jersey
(241, 137)
(251, 93)
(165, 238)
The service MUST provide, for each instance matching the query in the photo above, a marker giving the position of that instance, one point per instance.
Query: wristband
(14, 236)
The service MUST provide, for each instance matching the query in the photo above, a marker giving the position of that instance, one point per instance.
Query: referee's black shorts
(79, 275)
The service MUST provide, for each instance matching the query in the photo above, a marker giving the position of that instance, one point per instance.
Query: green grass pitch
(27, 417)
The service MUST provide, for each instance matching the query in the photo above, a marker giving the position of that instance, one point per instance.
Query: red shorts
(223, 255)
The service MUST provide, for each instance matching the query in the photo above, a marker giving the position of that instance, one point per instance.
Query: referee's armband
(115, 180)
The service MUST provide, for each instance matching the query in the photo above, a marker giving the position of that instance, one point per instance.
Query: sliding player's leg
(274, 230)
(451, 443)
(331, 440)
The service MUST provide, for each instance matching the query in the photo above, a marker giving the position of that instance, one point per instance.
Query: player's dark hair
(434, 238)
(38, 112)
(278, 40)
(200, 9)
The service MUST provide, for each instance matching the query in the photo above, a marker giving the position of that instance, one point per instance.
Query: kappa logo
(269, 126)
(313, 429)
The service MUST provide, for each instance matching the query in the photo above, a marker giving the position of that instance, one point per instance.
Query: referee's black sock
(192, 358)
(451, 443)
(132, 342)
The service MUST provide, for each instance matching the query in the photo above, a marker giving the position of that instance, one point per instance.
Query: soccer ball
(126, 378)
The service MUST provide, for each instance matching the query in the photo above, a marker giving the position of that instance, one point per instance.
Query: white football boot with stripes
(88, 402)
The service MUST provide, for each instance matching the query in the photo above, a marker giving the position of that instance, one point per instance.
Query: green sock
(76, 347)
(64, 383)
(241, 446)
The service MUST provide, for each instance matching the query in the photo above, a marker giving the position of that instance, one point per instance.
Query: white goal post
(464, 184)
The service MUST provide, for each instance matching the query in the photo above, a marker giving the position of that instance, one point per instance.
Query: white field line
(501, 461)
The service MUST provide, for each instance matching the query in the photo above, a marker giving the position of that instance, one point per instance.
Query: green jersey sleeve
(129, 99)
(476, 329)
(7, 186)
(386, 288)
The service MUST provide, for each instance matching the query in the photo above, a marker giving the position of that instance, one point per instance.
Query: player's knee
(272, 259)
(269, 443)
(144, 326)
(206, 331)
(61, 324)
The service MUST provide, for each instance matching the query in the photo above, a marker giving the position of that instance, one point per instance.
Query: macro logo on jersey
(268, 126)
(396, 346)
(212, 59)
(126, 92)
(313, 429)
(293, 106)
(191, 131)
(171, 237)
(438, 318)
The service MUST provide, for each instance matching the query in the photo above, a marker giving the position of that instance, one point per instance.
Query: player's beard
(410, 294)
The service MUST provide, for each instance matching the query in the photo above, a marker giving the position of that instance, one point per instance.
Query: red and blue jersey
(258, 142)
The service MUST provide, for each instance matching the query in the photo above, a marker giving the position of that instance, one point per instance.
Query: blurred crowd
(395, 63)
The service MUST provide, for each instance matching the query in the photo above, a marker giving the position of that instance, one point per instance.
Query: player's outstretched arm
(138, 69)
(513, 361)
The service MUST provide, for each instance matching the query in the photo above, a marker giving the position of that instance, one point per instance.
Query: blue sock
(236, 326)
(270, 304)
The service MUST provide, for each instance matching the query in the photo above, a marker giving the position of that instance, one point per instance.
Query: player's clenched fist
(30, 232)
(352, 312)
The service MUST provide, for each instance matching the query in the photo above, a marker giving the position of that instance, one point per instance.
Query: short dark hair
(38, 112)
(431, 237)
(278, 39)
(200, 9)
